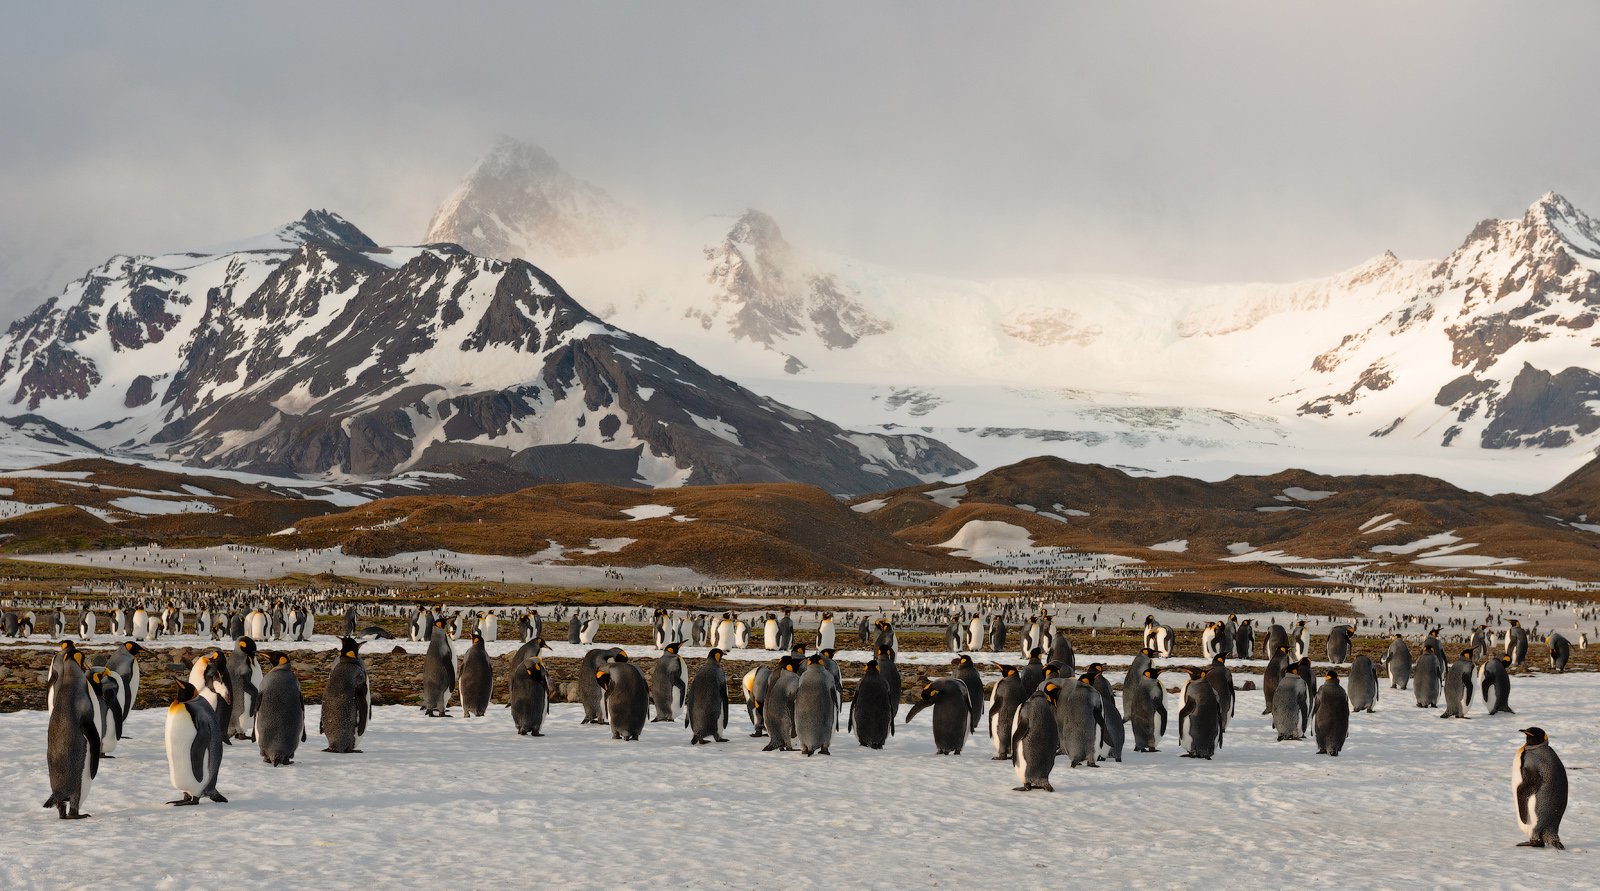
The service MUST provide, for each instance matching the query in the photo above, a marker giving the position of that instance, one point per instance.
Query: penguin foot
(1000, 758)
(187, 799)
(76, 815)
(217, 797)
(718, 739)
(1532, 843)
(103, 756)
(1022, 788)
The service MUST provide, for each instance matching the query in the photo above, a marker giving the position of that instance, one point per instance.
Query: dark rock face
(324, 352)
(1544, 410)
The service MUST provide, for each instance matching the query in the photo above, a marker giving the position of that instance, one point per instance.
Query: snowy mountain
(518, 203)
(313, 350)
(1393, 365)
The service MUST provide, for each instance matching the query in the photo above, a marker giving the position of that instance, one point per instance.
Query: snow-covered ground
(1412, 802)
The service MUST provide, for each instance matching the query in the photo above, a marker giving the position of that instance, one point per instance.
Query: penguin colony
(1036, 714)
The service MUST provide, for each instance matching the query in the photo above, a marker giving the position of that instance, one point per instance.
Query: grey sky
(1205, 141)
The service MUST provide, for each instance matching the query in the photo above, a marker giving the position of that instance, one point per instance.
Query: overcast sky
(1205, 141)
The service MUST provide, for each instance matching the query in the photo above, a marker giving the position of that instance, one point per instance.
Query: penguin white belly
(741, 635)
(1516, 793)
(975, 635)
(994, 733)
(83, 785)
(180, 737)
(141, 625)
(1022, 761)
(825, 636)
(769, 635)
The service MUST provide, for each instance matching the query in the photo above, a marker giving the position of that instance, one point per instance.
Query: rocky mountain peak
(324, 227)
(1579, 231)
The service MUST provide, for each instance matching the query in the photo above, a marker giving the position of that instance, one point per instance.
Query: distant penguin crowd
(1037, 713)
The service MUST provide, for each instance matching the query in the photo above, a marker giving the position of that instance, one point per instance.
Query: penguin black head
(1035, 653)
(1466, 653)
(184, 693)
(871, 667)
(535, 668)
(962, 659)
(1007, 670)
(714, 655)
(1536, 736)
(828, 653)
(1147, 652)
(348, 647)
(1505, 660)
(133, 647)
(673, 647)
(1219, 659)
(603, 678)
(1149, 620)
(248, 645)
(1397, 637)
(619, 656)
(66, 646)
(1153, 672)
(79, 657)
(930, 693)
(1283, 649)
(884, 651)
(1331, 675)
(787, 664)
(1052, 670)
(440, 623)
(1052, 692)
(660, 611)
(1097, 667)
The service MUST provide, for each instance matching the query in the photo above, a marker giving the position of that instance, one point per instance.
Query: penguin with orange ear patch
(951, 714)
(1035, 739)
(191, 728)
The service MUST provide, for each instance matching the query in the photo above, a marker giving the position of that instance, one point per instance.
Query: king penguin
(706, 703)
(1539, 789)
(870, 718)
(477, 679)
(669, 683)
(1330, 715)
(72, 741)
(191, 724)
(1035, 739)
(530, 697)
(346, 700)
(281, 716)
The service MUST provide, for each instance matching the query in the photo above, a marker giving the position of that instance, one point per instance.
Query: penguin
(727, 632)
(1516, 643)
(889, 666)
(1397, 662)
(346, 700)
(1005, 697)
(1147, 709)
(1330, 715)
(741, 633)
(529, 650)
(590, 693)
(214, 689)
(975, 637)
(1277, 636)
(1428, 681)
(281, 716)
(952, 636)
(870, 718)
(815, 708)
(1112, 736)
(1199, 718)
(591, 629)
(86, 623)
(421, 624)
(785, 631)
(777, 712)
(1289, 711)
(669, 683)
(967, 673)
(754, 684)
(1141, 661)
(574, 629)
(1030, 636)
(1363, 692)
(1539, 790)
(1032, 673)
(1272, 675)
(124, 660)
(477, 679)
(1211, 640)
(438, 672)
(1221, 681)
(1035, 739)
(1458, 686)
(255, 624)
(825, 632)
(349, 627)
(1339, 638)
(190, 727)
(769, 632)
(950, 713)
(1300, 641)
(110, 685)
(1158, 637)
(530, 697)
(1061, 652)
(697, 632)
(1230, 635)
(530, 626)
(141, 624)
(834, 672)
(1560, 650)
(489, 626)
(72, 740)
(1494, 678)
(997, 634)
(244, 674)
(1080, 718)
(627, 697)
(706, 701)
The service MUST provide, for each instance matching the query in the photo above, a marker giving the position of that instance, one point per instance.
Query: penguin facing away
(1035, 739)
(706, 701)
(530, 697)
(870, 717)
(281, 717)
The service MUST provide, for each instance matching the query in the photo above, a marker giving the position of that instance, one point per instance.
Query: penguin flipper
(1161, 709)
(93, 736)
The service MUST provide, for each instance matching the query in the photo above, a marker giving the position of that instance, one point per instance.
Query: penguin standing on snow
(191, 728)
(1244, 642)
(1339, 638)
(1458, 687)
(815, 708)
(950, 714)
(1004, 700)
(1289, 712)
(1363, 685)
(1539, 789)
(825, 632)
(870, 719)
(438, 672)
(281, 716)
(967, 673)
(706, 701)
(1330, 716)
(477, 679)
(1147, 710)
(777, 709)
(1035, 739)
(1428, 681)
(669, 683)
(754, 685)
(1494, 677)
(627, 697)
(1061, 652)
(1560, 651)
(589, 690)
(346, 700)
(72, 740)
(769, 632)
(1397, 661)
(785, 631)
(1081, 721)
(1221, 681)
(1272, 675)
(244, 673)
(1200, 716)
(530, 697)
(209, 678)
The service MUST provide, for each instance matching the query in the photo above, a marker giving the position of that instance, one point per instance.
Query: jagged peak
(511, 155)
(1577, 229)
(327, 228)
(757, 228)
